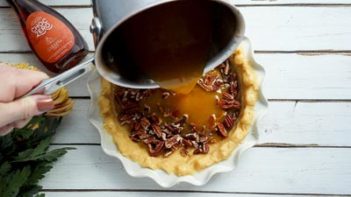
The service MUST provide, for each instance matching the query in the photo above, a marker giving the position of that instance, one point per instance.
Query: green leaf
(29, 191)
(32, 154)
(25, 158)
(15, 182)
(54, 154)
(4, 168)
(38, 173)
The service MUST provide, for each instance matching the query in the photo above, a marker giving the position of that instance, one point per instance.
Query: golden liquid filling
(199, 105)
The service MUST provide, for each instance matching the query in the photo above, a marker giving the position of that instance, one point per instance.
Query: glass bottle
(54, 40)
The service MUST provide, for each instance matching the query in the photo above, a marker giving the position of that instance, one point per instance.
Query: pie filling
(163, 121)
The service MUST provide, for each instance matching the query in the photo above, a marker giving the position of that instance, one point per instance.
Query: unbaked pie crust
(176, 163)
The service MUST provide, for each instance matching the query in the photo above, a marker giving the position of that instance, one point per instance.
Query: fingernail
(45, 103)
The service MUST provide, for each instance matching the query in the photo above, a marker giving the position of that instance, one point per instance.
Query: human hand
(14, 83)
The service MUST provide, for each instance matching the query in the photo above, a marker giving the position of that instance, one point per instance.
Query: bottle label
(50, 38)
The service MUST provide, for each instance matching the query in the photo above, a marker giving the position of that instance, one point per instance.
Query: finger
(24, 108)
(21, 123)
(17, 82)
(6, 129)
(27, 80)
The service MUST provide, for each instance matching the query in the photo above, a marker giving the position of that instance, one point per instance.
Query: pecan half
(139, 135)
(192, 136)
(187, 143)
(229, 121)
(155, 148)
(233, 89)
(157, 130)
(125, 119)
(229, 104)
(145, 123)
(202, 149)
(222, 130)
(169, 143)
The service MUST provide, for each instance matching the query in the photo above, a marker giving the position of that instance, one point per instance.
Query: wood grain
(264, 170)
(273, 29)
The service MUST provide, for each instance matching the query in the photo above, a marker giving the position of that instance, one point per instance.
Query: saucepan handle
(49, 86)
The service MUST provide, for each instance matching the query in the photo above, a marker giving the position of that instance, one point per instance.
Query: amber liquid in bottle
(53, 38)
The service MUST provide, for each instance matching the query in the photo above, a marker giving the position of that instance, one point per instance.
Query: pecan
(157, 130)
(226, 69)
(210, 82)
(202, 149)
(126, 119)
(212, 121)
(136, 126)
(192, 136)
(165, 95)
(228, 121)
(182, 120)
(139, 135)
(227, 96)
(187, 143)
(205, 148)
(174, 128)
(145, 123)
(203, 138)
(197, 129)
(233, 88)
(195, 144)
(229, 104)
(149, 140)
(155, 119)
(169, 143)
(232, 77)
(221, 130)
(166, 130)
(155, 148)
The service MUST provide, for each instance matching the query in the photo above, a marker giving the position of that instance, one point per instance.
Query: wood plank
(304, 123)
(150, 194)
(306, 76)
(289, 76)
(3, 3)
(273, 29)
(263, 170)
(282, 29)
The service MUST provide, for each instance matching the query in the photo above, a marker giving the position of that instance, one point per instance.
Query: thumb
(24, 108)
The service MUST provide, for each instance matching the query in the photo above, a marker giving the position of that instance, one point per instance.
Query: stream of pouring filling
(172, 49)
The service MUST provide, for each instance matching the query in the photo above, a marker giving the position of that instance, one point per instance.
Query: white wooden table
(305, 47)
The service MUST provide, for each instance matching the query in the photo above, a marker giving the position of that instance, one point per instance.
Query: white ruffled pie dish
(160, 177)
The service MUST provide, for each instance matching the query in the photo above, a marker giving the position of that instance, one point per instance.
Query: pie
(180, 134)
